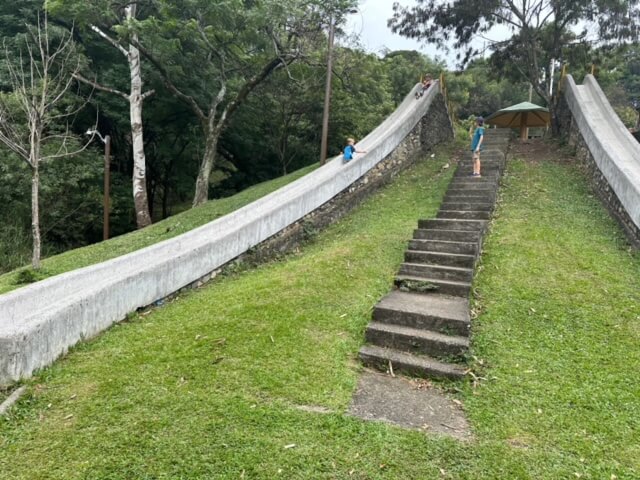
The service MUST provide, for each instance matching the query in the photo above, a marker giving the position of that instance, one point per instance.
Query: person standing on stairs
(477, 137)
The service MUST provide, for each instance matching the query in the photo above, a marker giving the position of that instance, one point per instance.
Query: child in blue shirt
(350, 150)
(476, 145)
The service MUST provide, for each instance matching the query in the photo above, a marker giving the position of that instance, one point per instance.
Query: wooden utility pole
(107, 186)
(327, 95)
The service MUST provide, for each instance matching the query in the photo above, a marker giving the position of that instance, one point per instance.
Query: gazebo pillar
(524, 130)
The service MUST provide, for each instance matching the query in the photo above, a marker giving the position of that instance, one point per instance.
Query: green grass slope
(163, 230)
(211, 386)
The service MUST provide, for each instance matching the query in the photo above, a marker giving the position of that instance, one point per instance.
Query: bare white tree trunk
(35, 217)
(135, 98)
(140, 198)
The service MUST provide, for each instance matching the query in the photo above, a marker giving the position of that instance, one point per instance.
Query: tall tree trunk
(207, 164)
(35, 215)
(140, 199)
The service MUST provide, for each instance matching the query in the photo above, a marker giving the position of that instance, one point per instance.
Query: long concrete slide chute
(615, 151)
(39, 322)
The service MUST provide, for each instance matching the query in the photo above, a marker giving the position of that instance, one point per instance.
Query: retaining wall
(38, 323)
(606, 148)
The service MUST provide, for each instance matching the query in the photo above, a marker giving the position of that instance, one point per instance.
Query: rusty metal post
(107, 186)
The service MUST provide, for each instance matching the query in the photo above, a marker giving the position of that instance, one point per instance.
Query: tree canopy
(541, 30)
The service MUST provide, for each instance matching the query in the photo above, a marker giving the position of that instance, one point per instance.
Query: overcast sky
(370, 23)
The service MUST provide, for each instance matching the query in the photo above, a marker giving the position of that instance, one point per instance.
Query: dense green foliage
(276, 128)
(542, 36)
(183, 392)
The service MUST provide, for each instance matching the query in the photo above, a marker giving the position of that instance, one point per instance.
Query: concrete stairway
(422, 327)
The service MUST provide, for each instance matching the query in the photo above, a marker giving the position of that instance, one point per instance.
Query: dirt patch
(408, 403)
(538, 149)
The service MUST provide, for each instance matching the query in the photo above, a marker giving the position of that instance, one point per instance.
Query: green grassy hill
(218, 384)
(163, 230)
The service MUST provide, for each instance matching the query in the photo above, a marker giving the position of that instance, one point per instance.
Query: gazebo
(523, 115)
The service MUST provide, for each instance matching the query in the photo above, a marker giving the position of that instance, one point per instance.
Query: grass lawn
(162, 230)
(211, 385)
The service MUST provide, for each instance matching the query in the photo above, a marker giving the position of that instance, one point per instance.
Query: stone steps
(484, 206)
(436, 272)
(417, 340)
(438, 313)
(453, 224)
(450, 235)
(417, 365)
(424, 325)
(446, 246)
(440, 258)
(461, 197)
(466, 214)
(433, 285)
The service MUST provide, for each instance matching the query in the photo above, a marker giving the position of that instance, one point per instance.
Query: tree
(405, 68)
(234, 46)
(32, 112)
(102, 17)
(540, 28)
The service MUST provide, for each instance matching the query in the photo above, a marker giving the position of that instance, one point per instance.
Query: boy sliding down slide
(350, 150)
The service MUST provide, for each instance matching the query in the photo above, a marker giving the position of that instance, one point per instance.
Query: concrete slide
(39, 322)
(614, 149)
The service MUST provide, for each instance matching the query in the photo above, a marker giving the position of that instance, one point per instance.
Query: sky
(370, 24)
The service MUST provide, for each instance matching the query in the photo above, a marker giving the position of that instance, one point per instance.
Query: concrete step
(439, 313)
(471, 183)
(439, 258)
(415, 340)
(417, 365)
(428, 286)
(486, 168)
(489, 156)
(489, 196)
(464, 214)
(477, 196)
(449, 224)
(495, 163)
(477, 206)
(465, 174)
(437, 272)
(447, 235)
(465, 248)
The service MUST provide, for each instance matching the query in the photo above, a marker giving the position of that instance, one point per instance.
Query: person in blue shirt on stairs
(350, 150)
(477, 137)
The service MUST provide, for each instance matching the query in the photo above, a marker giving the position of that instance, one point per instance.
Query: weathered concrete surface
(38, 323)
(408, 403)
(608, 150)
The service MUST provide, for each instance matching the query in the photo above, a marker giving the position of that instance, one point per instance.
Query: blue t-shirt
(349, 151)
(477, 135)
